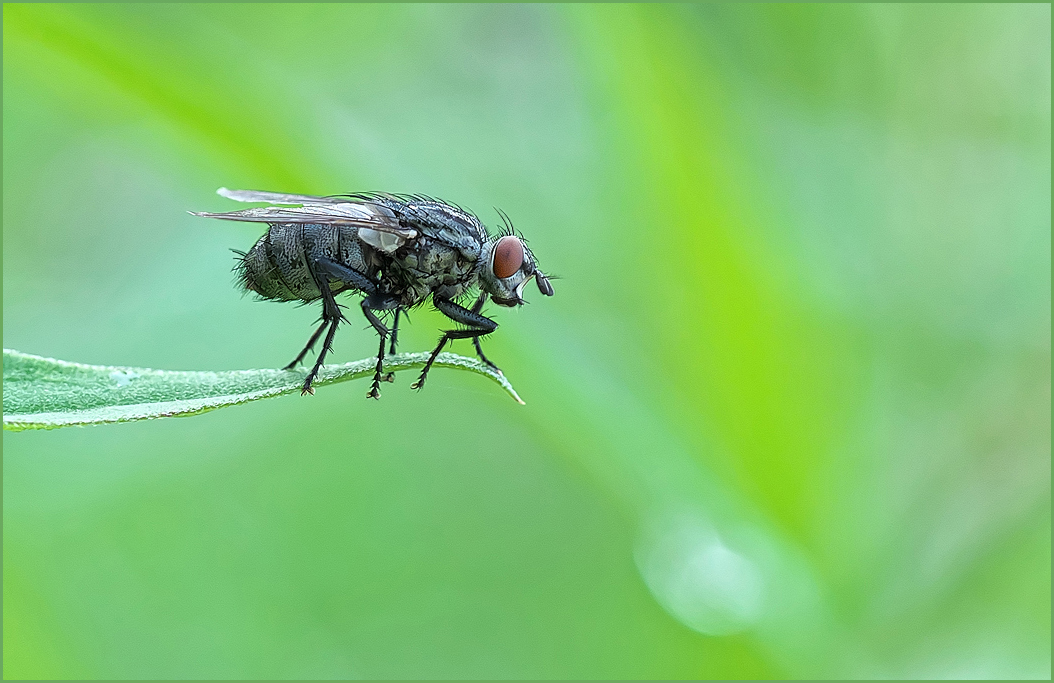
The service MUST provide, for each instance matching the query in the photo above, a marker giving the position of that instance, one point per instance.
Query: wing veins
(314, 210)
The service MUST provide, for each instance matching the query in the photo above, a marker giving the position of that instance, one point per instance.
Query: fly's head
(508, 265)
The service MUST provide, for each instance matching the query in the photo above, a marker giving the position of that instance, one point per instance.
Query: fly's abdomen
(259, 274)
(277, 267)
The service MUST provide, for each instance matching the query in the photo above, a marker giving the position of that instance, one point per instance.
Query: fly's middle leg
(390, 376)
(382, 332)
(395, 333)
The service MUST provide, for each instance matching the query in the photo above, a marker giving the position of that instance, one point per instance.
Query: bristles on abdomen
(256, 273)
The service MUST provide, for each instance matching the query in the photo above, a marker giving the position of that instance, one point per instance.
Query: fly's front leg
(478, 326)
(476, 308)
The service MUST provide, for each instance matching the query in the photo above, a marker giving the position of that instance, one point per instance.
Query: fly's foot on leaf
(374, 393)
(389, 377)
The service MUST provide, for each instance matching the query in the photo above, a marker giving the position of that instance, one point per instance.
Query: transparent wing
(276, 197)
(316, 210)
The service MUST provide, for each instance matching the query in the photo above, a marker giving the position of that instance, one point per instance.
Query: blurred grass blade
(44, 393)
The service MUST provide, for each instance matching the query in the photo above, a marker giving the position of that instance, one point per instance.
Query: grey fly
(394, 250)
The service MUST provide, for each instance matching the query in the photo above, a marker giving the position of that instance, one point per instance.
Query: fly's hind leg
(322, 270)
(310, 344)
(376, 300)
(478, 326)
(309, 380)
(330, 316)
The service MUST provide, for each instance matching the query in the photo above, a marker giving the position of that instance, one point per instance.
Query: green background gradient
(788, 414)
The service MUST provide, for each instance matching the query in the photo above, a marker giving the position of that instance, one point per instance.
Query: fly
(394, 250)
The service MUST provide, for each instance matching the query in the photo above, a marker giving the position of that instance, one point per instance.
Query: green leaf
(44, 393)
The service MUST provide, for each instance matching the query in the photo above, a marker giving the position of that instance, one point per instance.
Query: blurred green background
(788, 414)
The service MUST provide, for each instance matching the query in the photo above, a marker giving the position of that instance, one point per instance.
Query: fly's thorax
(447, 223)
(427, 266)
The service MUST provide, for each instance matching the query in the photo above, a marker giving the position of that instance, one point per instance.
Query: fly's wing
(378, 225)
(276, 197)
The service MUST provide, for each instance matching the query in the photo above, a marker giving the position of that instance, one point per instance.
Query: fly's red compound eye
(508, 256)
